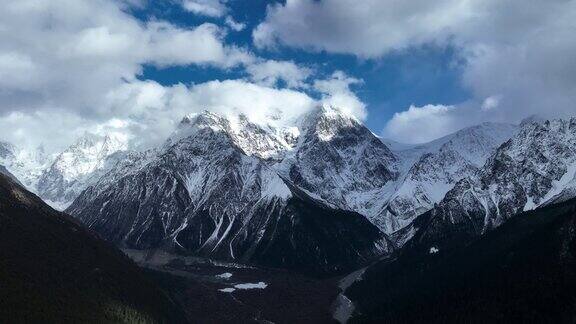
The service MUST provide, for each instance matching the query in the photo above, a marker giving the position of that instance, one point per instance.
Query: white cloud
(147, 112)
(421, 124)
(336, 92)
(490, 103)
(210, 8)
(16, 70)
(234, 25)
(71, 66)
(78, 49)
(133, 3)
(369, 28)
(202, 45)
(517, 53)
(257, 102)
(154, 110)
(270, 72)
(47, 128)
(60, 61)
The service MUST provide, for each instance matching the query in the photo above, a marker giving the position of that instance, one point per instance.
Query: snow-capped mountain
(226, 187)
(26, 165)
(77, 167)
(326, 154)
(339, 162)
(266, 141)
(237, 189)
(431, 170)
(206, 192)
(475, 143)
(535, 168)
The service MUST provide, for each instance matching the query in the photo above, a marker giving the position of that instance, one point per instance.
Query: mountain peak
(95, 144)
(324, 112)
(191, 124)
(326, 122)
(264, 141)
(204, 118)
(532, 119)
(323, 120)
(86, 140)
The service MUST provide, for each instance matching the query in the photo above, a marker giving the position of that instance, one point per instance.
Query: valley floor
(230, 293)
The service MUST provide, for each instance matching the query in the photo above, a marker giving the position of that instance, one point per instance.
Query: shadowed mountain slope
(54, 271)
(523, 271)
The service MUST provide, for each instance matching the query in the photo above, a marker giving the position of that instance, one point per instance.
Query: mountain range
(320, 193)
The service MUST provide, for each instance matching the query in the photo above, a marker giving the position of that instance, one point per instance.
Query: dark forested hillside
(54, 271)
(524, 271)
(7, 173)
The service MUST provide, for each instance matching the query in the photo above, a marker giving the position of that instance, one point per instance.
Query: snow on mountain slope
(395, 146)
(326, 153)
(432, 169)
(78, 166)
(536, 167)
(474, 143)
(25, 165)
(6, 150)
(338, 161)
(563, 189)
(268, 141)
(327, 156)
(204, 194)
